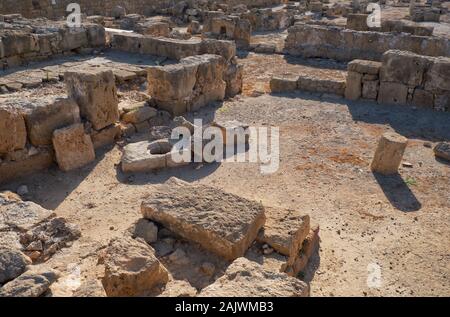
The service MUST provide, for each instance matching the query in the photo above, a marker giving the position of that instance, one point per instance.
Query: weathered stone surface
(95, 91)
(50, 236)
(247, 278)
(392, 93)
(105, 136)
(22, 215)
(364, 66)
(145, 156)
(442, 150)
(404, 67)
(285, 231)
(309, 246)
(189, 85)
(423, 99)
(178, 288)
(131, 268)
(41, 159)
(389, 153)
(321, 85)
(144, 229)
(370, 89)
(353, 85)
(73, 148)
(233, 77)
(233, 132)
(342, 44)
(283, 84)
(90, 288)
(357, 21)
(12, 264)
(13, 134)
(32, 283)
(220, 222)
(49, 115)
(437, 77)
(140, 113)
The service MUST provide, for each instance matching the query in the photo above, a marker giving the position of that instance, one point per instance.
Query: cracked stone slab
(220, 222)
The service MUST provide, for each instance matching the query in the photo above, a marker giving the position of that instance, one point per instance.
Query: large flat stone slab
(245, 278)
(223, 223)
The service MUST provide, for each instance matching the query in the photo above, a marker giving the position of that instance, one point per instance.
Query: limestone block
(392, 93)
(13, 134)
(47, 115)
(389, 153)
(353, 85)
(95, 92)
(244, 278)
(73, 148)
(222, 223)
(131, 268)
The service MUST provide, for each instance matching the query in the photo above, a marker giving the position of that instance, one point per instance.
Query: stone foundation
(403, 78)
(345, 45)
(44, 39)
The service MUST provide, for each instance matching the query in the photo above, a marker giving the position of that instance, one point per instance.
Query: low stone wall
(45, 8)
(40, 39)
(345, 45)
(402, 78)
(171, 48)
(307, 83)
(28, 126)
(230, 28)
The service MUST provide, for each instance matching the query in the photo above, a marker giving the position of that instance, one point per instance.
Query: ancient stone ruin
(195, 148)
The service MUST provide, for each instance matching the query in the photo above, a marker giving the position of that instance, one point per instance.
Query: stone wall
(345, 45)
(402, 78)
(171, 48)
(22, 40)
(45, 8)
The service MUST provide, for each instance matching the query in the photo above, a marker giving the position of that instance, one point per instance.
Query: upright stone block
(389, 153)
(73, 148)
(95, 91)
(13, 134)
(48, 115)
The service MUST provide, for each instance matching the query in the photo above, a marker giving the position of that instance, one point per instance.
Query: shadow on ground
(398, 192)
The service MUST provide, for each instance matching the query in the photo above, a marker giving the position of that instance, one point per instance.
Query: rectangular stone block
(73, 147)
(220, 222)
(392, 93)
(357, 21)
(353, 85)
(423, 99)
(13, 134)
(283, 84)
(10, 170)
(95, 92)
(370, 89)
(404, 67)
(47, 115)
(364, 66)
(188, 85)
